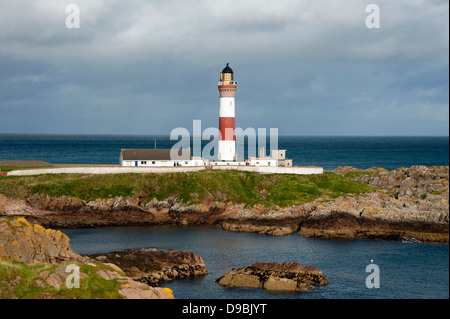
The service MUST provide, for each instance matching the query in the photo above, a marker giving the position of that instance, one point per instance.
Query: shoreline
(403, 203)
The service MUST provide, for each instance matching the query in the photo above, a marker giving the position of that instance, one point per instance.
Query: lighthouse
(227, 139)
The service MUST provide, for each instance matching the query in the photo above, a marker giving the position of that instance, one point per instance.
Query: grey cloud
(307, 67)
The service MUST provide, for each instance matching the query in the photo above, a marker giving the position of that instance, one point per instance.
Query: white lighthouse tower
(227, 140)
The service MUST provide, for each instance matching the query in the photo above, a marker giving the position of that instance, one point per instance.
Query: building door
(136, 163)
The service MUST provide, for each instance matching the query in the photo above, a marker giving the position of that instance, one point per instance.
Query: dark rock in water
(154, 266)
(275, 277)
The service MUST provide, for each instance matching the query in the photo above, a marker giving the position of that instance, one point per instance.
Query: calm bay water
(407, 270)
(327, 152)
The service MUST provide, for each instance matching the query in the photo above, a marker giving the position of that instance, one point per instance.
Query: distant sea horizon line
(168, 135)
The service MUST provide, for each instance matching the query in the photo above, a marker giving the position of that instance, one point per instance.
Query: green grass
(26, 286)
(196, 187)
(359, 174)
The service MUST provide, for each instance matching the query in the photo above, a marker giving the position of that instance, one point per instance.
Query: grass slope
(22, 281)
(195, 187)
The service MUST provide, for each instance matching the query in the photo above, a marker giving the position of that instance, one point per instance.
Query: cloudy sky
(306, 67)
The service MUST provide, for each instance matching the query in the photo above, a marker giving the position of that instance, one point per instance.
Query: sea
(406, 270)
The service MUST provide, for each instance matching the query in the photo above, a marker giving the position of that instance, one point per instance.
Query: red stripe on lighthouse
(227, 86)
(226, 128)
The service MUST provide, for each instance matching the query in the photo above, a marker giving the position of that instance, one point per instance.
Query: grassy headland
(196, 187)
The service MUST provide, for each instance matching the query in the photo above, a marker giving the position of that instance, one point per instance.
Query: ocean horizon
(329, 152)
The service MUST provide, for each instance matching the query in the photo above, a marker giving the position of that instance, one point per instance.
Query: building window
(143, 162)
(186, 162)
(153, 162)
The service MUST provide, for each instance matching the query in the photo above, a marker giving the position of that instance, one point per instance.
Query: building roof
(154, 155)
(227, 69)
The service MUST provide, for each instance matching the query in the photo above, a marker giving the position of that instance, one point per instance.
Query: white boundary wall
(103, 170)
(122, 170)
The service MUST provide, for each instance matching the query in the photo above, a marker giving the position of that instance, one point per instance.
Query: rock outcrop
(154, 266)
(378, 216)
(415, 181)
(33, 244)
(410, 203)
(275, 277)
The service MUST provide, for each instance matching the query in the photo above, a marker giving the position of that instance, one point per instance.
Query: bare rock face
(379, 216)
(275, 277)
(33, 244)
(154, 266)
(410, 203)
(418, 181)
(62, 203)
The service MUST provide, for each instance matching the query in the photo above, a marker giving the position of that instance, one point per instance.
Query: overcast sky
(306, 67)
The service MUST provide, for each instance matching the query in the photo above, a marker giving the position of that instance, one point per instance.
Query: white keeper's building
(159, 158)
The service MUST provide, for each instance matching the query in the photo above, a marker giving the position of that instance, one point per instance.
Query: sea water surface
(327, 152)
(407, 270)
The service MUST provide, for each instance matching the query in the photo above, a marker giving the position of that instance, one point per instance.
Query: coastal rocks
(33, 244)
(418, 181)
(62, 203)
(259, 229)
(411, 203)
(15, 207)
(54, 281)
(33, 255)
(174, 211)
(69, 212)
(289, 277)
(154, 266)
(74, 204)
(378, 216)
(131, 289)
(112, 205)
(275, 221)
